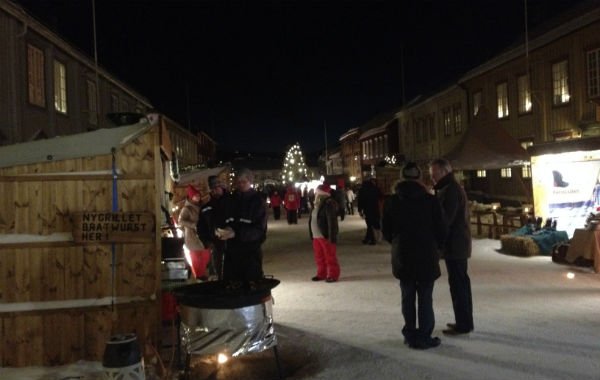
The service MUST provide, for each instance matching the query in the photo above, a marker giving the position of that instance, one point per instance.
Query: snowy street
(531, 322)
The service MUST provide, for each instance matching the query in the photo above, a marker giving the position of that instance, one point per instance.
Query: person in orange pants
(323, 230)
(188, 220)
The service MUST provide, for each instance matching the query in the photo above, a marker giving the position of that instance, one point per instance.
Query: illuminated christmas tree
(294, 167)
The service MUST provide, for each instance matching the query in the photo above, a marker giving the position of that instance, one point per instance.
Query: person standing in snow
(457, 249)
(350, 201)
(414, 224)
(245, 232)
(369, 196)
(323, 230)
(275, 202)
(291, 202)
(188, 219)
(212, 216)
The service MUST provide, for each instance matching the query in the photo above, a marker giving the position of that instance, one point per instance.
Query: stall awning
(199, 176)
(487, 145)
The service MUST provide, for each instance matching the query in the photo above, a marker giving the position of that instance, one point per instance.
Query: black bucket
(122, 358)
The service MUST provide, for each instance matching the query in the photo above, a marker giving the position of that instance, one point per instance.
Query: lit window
(593, 73)
(481, 174)
(457, 119)
(476, 102)
(524, 94)
(526, 171)
(60, 87)
(505, 172)
(502, 100)
(560, 83)
(447, 122)
(92, 96)
(35, 76)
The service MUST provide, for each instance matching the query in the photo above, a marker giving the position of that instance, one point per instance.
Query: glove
(225, 233)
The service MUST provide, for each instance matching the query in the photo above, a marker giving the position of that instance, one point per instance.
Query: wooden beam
(72, 177)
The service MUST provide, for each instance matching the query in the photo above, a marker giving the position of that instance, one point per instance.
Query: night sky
(260, 75)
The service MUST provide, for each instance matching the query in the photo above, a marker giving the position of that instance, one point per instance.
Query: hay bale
(519, 246)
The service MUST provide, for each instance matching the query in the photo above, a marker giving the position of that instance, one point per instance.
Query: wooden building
(351, 154)
(48, 87)
(60, 299)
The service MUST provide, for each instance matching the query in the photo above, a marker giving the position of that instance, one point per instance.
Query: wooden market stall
(79, 248)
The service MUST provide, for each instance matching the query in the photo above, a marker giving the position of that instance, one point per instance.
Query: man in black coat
(457, 249)
(368, 206)
(212, 216)
(413, 222)
(245, 231)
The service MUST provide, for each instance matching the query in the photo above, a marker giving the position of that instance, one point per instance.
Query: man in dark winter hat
(414, 224)
(457, 249)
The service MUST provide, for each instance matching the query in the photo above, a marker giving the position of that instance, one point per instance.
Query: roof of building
(88, 144)
(487, 145)
(552, 30)
(31, 22)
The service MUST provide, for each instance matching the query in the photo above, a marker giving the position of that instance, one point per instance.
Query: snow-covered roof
(89, 144)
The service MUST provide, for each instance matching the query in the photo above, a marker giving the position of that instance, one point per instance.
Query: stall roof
(572, 145)
(199, 175)
(487, 145)
(95, 143)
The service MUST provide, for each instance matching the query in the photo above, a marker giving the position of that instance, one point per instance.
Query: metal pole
(96, 62)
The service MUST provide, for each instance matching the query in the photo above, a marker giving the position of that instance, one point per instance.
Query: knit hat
(411, 171)
(214, 181)
(191, 191)
(323, 189)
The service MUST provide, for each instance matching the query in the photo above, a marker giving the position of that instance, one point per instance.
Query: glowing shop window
(506, 172)
(481, 174)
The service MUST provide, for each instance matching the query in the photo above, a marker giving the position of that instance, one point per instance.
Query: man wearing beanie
(188, 219)
(413, 222)
(323, 230)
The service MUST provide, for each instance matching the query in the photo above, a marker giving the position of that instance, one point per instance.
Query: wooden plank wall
(56, 273)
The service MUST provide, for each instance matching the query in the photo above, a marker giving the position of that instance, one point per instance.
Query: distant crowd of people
(422, 223)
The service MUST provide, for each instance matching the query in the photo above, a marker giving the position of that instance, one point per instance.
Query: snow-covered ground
(531, 321)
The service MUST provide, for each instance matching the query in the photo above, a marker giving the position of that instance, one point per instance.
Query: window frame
(457, 118)
(506, 173)
(520, 110)
(505, 102)
(92, 101)
(587, 73)
(447, 121)
(62, 91)
(480, 93)
(567, 83)
(36, 76)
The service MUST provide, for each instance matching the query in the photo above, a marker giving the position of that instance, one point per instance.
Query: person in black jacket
(212, 216)
(368, 206)
(245, 231)
(413, 222)
(457, 249)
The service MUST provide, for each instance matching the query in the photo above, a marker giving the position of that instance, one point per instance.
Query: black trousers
(243, 261)
(292, 216)
(373, 224)
(460, 291)
(277, 212)
(417, 292)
